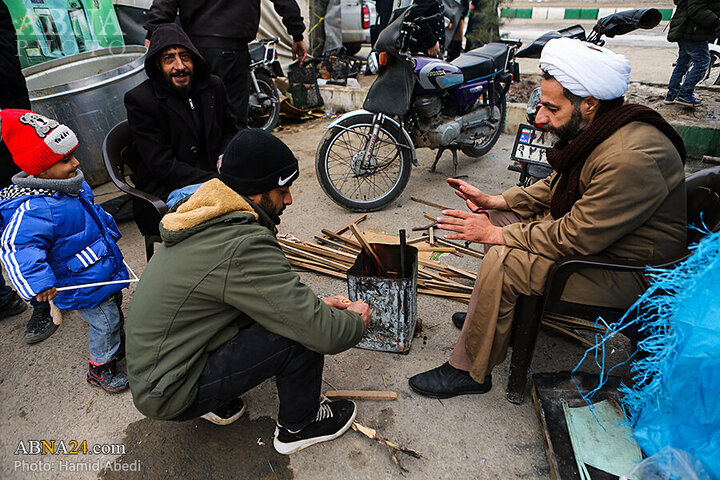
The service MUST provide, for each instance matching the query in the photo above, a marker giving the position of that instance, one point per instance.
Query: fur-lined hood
(212, 203)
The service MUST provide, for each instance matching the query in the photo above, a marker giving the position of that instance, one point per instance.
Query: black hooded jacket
(177, 146)
(222, 23)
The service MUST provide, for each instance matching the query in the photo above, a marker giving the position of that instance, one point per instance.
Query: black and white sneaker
(332, 420)
(226, 414)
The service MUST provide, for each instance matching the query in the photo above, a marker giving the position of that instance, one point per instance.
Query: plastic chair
(703, 208)
(119, 153)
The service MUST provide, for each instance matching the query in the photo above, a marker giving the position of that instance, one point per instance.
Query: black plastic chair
(703, 207)
(118, 154)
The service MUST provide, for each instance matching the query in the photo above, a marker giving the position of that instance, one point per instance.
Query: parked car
(357, 16)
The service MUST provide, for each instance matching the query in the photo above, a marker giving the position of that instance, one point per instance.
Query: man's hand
(299, 51)
(476, 198)
(473, 227)
(434, 51)
(46, 295)
(363, 309)
(337, 301)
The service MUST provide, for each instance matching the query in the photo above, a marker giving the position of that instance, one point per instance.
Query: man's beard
(571, 129)
(182, 90)
(266, 204)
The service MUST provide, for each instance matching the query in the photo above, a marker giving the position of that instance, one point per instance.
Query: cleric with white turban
(586, 69)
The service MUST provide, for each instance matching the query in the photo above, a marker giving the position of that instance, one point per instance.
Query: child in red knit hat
(54, 236)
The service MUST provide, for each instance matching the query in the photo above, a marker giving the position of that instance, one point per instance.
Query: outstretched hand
(472, 227)
(337, 301)
(476, 198)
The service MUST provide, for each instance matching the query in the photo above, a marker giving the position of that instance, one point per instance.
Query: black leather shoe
(458, 319)
(447, 381)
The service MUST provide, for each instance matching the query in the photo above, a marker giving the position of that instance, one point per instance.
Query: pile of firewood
(334, 253)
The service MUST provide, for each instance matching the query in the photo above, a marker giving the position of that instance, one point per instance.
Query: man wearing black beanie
(219, 311)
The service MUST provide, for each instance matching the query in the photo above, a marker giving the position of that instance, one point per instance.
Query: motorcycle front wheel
(484, 144)
(267, 114)
(345, 181)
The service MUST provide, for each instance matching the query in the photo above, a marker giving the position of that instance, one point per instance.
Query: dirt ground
(644, 94)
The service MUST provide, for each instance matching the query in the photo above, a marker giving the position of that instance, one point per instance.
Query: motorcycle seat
(482, 62)
(256, 51)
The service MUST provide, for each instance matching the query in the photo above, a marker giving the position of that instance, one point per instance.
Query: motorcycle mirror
(627, 21)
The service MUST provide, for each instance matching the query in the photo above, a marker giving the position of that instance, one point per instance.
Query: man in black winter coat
(221, 30)
(180, 120)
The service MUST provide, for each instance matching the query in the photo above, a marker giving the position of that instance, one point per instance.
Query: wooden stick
(430, 217)
(344, 229)
(340, 246)
(415, 240)
(467, 251)
(342, 239)
(567, 332)
(432, 236)
(332, 263)
(320, 250)
(419, 229)
(366, 246)
(440, 293)
(361, 395)
(313, 268)
(429, 204)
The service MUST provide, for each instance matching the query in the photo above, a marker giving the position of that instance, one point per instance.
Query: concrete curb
(557, 13)
(700, 138)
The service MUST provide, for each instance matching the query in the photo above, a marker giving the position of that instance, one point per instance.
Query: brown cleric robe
(631, 206)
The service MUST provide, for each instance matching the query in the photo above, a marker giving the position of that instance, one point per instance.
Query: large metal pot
(85, 92)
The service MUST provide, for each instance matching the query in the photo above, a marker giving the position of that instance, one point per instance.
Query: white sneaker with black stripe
(332, 420)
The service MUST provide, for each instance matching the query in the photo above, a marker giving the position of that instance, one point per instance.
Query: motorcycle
(528, 155)
(264, 101)
(364, 159)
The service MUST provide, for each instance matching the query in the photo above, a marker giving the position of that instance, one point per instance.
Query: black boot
(447, 381)
(12, 306)
(107, 376)
(40, 326)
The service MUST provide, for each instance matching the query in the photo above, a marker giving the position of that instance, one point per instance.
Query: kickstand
(439, 154)
(437, 158)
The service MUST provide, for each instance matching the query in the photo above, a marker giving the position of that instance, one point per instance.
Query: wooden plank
(416, 240)
(462, 273)
(431, 240)
(429, 204)
(366, 246)
(467, 251)
(361, 395)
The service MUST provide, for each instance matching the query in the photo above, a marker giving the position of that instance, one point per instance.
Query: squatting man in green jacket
(218, 310)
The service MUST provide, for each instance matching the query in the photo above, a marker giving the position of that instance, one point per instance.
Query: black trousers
(232, 65)
(253, 356)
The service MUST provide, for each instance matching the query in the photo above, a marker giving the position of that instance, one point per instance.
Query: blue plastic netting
(675, 397)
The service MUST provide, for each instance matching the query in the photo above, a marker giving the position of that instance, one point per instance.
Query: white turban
(586, 69)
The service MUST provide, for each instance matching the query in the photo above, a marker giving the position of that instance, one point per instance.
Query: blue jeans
(106, 328)
(696, 52)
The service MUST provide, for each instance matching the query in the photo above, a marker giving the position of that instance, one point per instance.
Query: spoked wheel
(484, 143)
(264, 109)
(354, 181)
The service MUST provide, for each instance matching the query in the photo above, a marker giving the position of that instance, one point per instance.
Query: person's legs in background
(232, 65)
(700, 55)
(687, 52)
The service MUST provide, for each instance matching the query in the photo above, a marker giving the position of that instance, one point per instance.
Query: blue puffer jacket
(52, 239)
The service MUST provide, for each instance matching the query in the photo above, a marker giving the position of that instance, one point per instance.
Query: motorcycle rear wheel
(486, 143)
(343, 145)
(266, 117)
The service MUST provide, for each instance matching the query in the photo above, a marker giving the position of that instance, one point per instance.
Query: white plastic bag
(668, 464)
